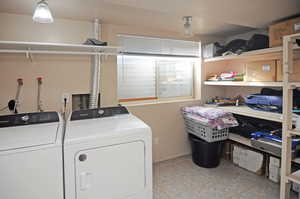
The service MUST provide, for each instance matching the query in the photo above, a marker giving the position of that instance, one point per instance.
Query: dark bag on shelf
(248, 125)
(235, 46)
(258, 41)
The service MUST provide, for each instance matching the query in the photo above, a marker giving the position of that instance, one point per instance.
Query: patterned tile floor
(181, 179)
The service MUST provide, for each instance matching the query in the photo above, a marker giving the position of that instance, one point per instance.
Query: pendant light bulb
(42, 13)
(187, 25)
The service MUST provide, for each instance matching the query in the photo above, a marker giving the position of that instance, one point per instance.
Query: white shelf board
(241, 83)
(247, 142)
(248, 54)
(246, 111)
(55, 48)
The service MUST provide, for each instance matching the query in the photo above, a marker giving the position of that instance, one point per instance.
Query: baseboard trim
(172, 157)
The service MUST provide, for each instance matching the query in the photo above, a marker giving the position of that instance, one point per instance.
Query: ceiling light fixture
(42, 13)
(187, 20)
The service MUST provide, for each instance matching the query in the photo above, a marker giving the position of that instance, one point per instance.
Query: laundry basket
(207, 133)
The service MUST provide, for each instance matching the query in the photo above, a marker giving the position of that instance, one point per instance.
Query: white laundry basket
(207, 133)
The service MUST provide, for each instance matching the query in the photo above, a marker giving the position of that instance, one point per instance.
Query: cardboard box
(274, 169)
(294, 77)
(248, 159)
(261, 71)
(278, 30)
(274, 177)
(275, 162)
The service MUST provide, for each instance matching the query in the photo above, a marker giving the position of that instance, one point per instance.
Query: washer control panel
(28, 119)
(98, 113)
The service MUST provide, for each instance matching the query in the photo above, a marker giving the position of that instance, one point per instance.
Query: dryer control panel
(28, 119)
(98, 113)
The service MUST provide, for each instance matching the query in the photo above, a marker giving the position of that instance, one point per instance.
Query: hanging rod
(56, 52)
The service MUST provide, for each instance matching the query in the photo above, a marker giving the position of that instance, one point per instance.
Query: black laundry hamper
(205, 154)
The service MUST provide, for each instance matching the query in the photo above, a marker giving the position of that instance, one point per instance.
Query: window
(149, 78)
(174, 78)
(155, 68)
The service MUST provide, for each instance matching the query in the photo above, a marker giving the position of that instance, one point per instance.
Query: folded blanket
(215, 118)
(206, 112)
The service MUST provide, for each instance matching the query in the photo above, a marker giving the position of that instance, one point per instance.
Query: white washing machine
(31, 156)
(108, 154)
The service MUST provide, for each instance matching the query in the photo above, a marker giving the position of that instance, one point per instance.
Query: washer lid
(21, 136)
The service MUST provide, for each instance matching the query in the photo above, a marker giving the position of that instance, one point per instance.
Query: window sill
(152, 102)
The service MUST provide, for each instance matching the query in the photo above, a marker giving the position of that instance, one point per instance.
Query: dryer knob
(82, 157)
(101, 112)
(25, 118)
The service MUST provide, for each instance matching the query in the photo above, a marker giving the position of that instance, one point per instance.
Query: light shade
(188, 31)
(42, 13)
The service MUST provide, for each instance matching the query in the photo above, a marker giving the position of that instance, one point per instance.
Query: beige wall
(71, 74)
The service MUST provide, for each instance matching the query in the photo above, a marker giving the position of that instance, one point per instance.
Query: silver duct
(95, 70)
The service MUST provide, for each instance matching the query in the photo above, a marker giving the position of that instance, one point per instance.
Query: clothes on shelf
(213, 117)
(226, 101)
(228, 76)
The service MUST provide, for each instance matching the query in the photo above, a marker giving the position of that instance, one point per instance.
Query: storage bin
(205, 154)
(278, 30)
(274, 169)
(207, 133)
(261, 71)
(248, 159)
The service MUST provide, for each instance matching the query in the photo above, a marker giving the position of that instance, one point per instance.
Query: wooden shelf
(249, 54)
(241, 83)
(246, 111)
(240, 139)
(55, 48)
(245, 54)
(247, 142)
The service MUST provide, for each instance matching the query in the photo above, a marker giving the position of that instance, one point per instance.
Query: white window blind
(154, 68)
(136, 77)
(144, 77)
(175, 78)
(158, 46)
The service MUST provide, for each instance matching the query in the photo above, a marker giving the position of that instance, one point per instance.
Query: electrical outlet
(65, 96)
(156, 141)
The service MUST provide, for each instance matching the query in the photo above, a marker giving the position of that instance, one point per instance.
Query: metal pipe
(95, 71)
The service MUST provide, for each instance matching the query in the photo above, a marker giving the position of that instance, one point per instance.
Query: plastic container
(207, 133)
(205, 154)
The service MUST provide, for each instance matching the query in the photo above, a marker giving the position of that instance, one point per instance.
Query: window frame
(158, 99)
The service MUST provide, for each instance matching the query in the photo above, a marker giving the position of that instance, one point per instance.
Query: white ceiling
(210, 17)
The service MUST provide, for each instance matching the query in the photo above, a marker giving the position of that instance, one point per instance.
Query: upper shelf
(242, 83)
(55, 48)
(248, 54)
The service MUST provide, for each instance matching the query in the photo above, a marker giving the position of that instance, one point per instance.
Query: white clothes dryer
(108, 154)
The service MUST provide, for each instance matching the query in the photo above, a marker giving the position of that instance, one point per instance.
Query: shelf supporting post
(286, 152)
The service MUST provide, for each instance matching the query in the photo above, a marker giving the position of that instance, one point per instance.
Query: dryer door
(113, 172)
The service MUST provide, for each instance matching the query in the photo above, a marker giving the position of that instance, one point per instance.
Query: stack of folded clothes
(212, 117)
(230, 76)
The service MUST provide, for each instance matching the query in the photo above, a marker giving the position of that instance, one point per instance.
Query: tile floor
(181, 179)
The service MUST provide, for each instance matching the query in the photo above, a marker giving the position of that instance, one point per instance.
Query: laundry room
(149, 99)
